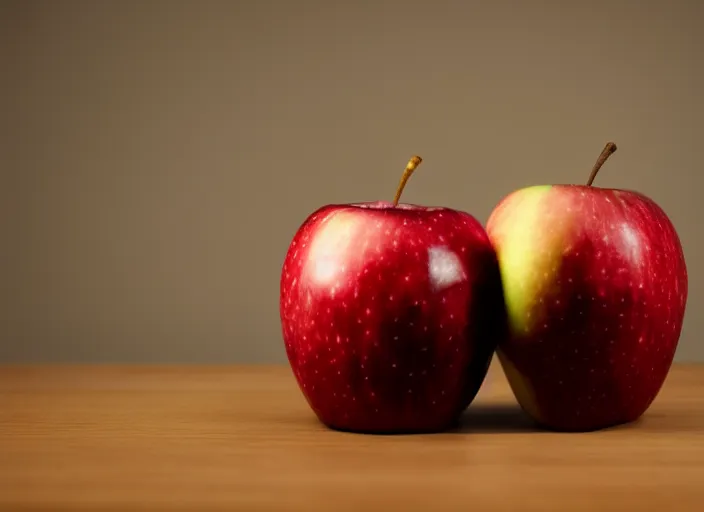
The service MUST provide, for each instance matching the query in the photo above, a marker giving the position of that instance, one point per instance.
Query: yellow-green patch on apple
(529, 249)
(521, 388)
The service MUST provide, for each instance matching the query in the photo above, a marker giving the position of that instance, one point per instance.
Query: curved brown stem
(412, 164)
(605, 154)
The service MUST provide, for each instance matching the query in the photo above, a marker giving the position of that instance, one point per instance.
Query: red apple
(595, 285)
(390, 313)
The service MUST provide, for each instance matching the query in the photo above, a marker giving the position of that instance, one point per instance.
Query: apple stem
(410, 167)
(605, 154)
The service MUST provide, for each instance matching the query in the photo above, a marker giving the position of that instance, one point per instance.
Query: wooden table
(242, 438)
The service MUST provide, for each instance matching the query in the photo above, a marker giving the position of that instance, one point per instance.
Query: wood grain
(242, 438)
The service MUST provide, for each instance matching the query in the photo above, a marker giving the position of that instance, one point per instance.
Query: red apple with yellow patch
(595, 285)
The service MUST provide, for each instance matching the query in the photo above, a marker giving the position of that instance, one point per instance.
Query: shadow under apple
(481, 418)
(484, 418)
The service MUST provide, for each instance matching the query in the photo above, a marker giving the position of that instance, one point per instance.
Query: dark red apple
(390, 313)
(595, 284)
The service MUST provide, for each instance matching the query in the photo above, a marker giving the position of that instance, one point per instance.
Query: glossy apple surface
(595, 285)
(390, 314)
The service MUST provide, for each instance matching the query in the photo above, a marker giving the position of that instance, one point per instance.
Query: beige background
(157, 157)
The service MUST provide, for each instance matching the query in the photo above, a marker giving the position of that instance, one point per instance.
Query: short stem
(412, 164)
(605, 154)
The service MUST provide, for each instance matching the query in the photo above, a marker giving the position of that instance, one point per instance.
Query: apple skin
(595, 285)
(390, 315)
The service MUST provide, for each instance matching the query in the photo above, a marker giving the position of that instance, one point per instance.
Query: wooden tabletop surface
(242, 438)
